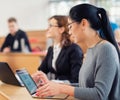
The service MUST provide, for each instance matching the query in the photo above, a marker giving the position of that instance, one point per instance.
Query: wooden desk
(19, 60)
(20, 93)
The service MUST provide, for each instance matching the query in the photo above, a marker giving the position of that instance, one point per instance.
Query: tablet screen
(27, 80)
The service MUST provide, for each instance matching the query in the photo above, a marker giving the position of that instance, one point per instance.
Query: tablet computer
(31, 86)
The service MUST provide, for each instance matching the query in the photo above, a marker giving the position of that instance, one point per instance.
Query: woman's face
(53, 29)
(76, 30)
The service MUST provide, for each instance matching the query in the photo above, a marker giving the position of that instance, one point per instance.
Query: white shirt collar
(57, 46)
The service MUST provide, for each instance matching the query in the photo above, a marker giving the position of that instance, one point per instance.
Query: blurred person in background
(16, 40)
(116, 31)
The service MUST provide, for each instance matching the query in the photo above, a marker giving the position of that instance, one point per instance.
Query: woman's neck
(92, 41)
(83, 46)
(57, 41)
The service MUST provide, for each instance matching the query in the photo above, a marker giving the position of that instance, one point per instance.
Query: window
(62, 7)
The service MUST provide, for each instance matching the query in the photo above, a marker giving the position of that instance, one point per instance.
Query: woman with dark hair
(64, 58)
(99, 76)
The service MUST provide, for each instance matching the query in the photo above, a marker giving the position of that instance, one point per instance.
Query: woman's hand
(36, 77)
(40, 78)
(49, 89)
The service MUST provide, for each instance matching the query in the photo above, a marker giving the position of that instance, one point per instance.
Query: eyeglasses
(69, 24)
(50, 25)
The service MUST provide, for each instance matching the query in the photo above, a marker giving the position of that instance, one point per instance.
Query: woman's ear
(84, 24)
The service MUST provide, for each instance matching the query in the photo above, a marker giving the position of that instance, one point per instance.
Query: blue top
(114, 26)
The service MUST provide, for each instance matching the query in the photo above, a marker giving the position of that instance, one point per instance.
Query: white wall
(31, 14)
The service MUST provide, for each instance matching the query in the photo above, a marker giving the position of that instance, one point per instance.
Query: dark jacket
(68, 63)
(9, 41)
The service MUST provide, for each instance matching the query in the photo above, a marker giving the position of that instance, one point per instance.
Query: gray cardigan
(99, 77)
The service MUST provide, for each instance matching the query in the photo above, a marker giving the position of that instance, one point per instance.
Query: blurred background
(33, 14)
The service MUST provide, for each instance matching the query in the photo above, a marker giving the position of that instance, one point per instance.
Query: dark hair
(12, 19)
(98, 20)
(62, 21)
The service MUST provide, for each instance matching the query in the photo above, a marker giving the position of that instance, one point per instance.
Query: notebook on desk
(32, 87)
(7, 75)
